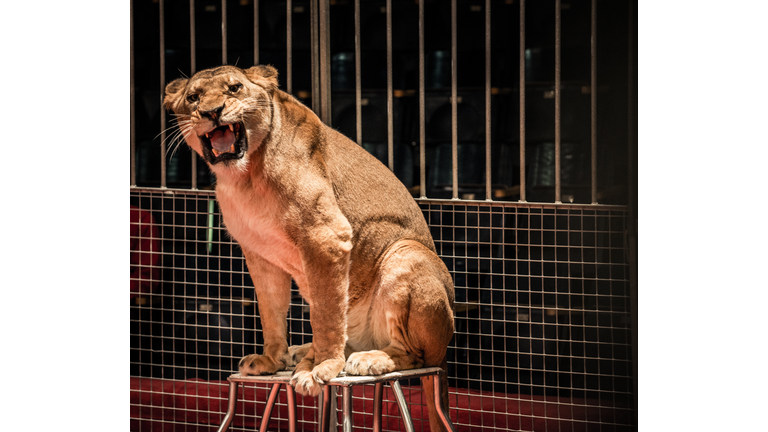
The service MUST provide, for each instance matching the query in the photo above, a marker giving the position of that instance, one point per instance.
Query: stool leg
(325, 409)
(378, 391)
(268, 409)
(405, 413)
(231, 408)
(346, 397)
(291, 407)
(441, 409)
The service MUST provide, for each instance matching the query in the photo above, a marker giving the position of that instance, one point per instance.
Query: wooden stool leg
(378, 392)
(231, 408)
(268, 409)
(405, 413)
(346, 407)
(441, 409)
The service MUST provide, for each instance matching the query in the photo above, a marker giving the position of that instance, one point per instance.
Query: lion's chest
(253, 218)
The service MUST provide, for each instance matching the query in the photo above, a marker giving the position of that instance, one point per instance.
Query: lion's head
(223, 113)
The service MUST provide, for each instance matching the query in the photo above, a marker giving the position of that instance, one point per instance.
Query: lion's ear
(264, 75)
(173, 92)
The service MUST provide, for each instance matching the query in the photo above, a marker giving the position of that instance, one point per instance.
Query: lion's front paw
(369, 363)
(310, 382)
(306, 383)
(256, 364)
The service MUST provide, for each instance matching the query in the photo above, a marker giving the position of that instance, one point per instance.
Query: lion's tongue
(222, 140)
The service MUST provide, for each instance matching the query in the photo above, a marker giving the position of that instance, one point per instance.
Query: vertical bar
(192, 39)
(133, 108)
(315, 55)
(488, 196)
(230, 408)
(390, 127)
(209, 232)
(346, 397)
(289, 47)
(593, 99)
(558, 14)
(193, 69)
(422, 114)
(522, 101)
(267, 414)
(162, 92)
(632, 192)
(291, 407)
(378, 391)
(324, 402)
(358, 79)
(454, 106)
(405, 413)
(223, 32)
(256, 31)
(325, 61)
(438, 391)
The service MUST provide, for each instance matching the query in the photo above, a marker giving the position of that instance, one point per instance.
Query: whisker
(177, 124)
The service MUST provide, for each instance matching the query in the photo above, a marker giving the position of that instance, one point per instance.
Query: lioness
(305, 202)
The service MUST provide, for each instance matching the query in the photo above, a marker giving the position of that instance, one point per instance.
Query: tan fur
(305, 202)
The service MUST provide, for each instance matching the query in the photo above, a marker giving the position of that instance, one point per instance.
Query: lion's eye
(193, 97)
(234, 88)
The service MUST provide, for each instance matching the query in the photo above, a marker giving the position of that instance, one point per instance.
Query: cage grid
(542, 317)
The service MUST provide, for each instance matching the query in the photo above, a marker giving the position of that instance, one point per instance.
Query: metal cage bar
(133, 101)
(223, 32)
(289, 46)
(454, 105)
(558, 99)
(390, 115)
(488, 194)
(192, 70)
(593, 99)
(163, 169)
(522, 100)
(422, 114)
(256, 31)
(358, 79)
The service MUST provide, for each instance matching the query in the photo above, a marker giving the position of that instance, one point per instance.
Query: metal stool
(346, 383)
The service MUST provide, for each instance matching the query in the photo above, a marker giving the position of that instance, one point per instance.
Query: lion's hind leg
(296, 353)
(413, 303)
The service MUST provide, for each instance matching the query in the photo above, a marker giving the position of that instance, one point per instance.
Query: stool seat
(283, 378)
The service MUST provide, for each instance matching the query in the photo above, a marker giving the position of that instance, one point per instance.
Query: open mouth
(225, 142)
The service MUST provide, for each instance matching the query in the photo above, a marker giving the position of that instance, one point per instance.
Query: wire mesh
(542, 337)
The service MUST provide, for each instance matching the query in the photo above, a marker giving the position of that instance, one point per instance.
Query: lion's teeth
(216, 152)
(232, 149)
(232, 128)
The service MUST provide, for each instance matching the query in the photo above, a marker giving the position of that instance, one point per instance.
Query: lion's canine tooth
(232, 128)
(232, 149)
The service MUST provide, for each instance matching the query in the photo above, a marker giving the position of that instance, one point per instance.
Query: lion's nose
(213, 114)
